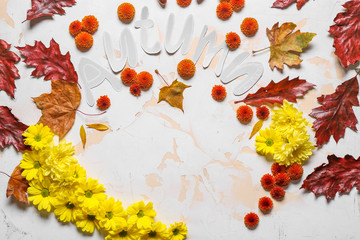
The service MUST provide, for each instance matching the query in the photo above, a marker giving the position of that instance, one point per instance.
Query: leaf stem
(253, 52)
(87, 114)
(158, 73)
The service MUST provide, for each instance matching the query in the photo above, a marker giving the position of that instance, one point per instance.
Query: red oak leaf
(339, 175)
(347, 34)
(11, 130)
(278, 92)
(41, 8)
(8, 71)
(336, 112)
(285, 3)
(49, 62)
(18, 186)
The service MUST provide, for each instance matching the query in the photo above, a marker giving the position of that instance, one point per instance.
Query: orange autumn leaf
(98, 126)
(83, 136)
(256, 128)
(173, 94)
(58, 107)
(286, 45)
(18, 186)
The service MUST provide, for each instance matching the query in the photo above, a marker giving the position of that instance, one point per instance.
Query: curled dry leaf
(173, 94)
(285, 45)
(17, 186)
(11, 130)
(8, 71)
(83, 136)
(339, 175)
(58, 107)
(98, 126)
(49, 61)
(346, 32)
(335, 113)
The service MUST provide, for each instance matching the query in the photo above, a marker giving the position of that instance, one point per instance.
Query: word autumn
(93, 74)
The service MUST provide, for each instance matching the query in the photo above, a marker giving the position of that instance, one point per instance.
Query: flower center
(123, 233)
(140, 213)
(152, 234)
(37, 165)
(88, 194)
(69, 205)
(176, 231)
(109, 215)
(37, 137)
(91, 217)
(45, 192)
(269, 142)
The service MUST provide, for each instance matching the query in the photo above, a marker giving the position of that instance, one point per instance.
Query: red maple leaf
(347, 33)
(41, 8)
(278, 92)
(11, 130)
(285, 3)
(18, 185)
(8, 71)
(49, 62)
(336, 112)
(339, 175)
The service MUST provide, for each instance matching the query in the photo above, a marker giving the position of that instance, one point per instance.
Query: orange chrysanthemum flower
(276, 168)
(251, 220)
(128, 76)
(282, 179)
(145, 80)
(186, 68)
(265, 204)
(237, 4)
(267, 182)
(126, 12)
(244, 114)
(249, 26)
(103, 102)
(218, 93)
(135, 90)
(90, 24)
(262, 112)
(232, 40)
(183, 3)
(84, 41)
(224, 10)
(277, 193)
(295, 171)
(75, 28)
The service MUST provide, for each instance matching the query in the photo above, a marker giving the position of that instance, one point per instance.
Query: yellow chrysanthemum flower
(33, 165)
(140, 215)
(42, 194)
(87, 220)
(296, 149)
(38, 136)
(125, 232)
(267, 141)
(114, 215)
(90, 194)
(67, 209)
(59, 160)
(288, 118)
(177, 231)
(157, 231)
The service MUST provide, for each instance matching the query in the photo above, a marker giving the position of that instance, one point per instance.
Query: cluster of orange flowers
(82, 31)
(137, 82)
(244, 113)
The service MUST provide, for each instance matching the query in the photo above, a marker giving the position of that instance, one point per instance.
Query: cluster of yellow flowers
(57, 182)
(286, 141)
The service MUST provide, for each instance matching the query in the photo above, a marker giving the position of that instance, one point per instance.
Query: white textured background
(198, 166)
